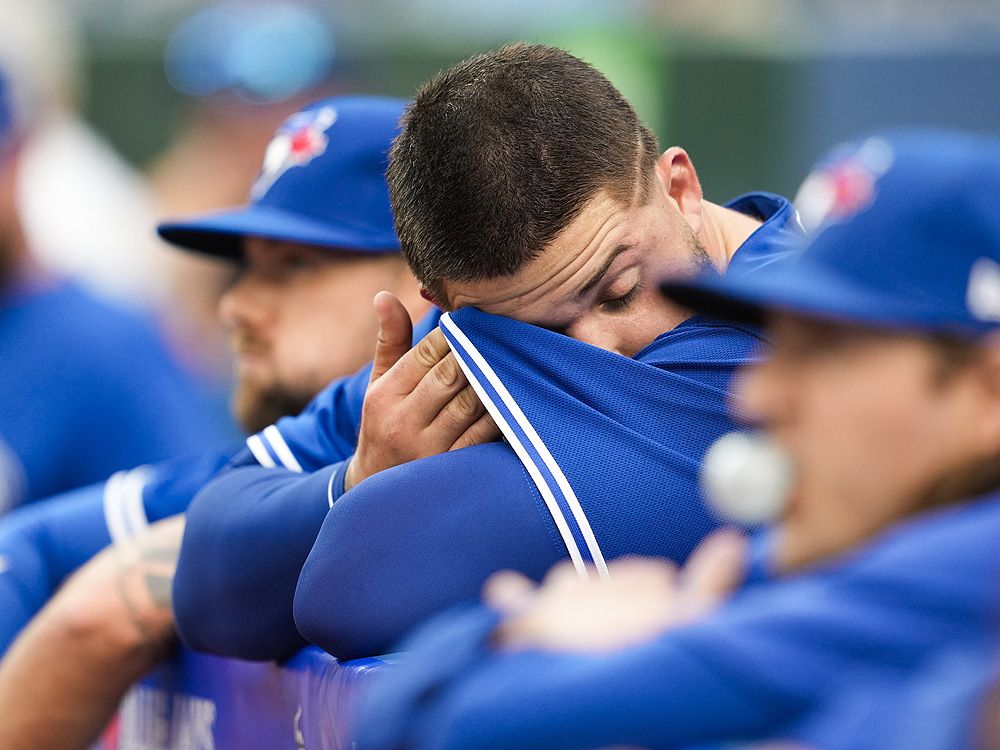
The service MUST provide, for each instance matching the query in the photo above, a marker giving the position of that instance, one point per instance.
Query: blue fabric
(362, 587)
(416, 539)
(43, 543)
(40, 544)
(248, 533)
(783, 659)
(87, 390)
(467, 514)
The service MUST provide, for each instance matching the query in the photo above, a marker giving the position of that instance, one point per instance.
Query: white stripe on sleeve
(259, 451)
(281, 449)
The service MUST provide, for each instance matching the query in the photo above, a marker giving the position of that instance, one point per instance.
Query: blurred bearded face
(300, 316)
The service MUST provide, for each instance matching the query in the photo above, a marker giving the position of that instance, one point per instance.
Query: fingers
(416, 369)
(444, 401)
(483, 430)
(459, 412)
(714, 571)
(508, 591)
(395, 333)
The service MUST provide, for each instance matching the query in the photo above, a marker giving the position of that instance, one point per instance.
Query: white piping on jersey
(124, 512)
(256, 446)
(273, 436)
(529, 464)
(329, 488)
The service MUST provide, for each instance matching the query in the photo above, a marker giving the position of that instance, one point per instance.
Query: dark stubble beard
(257, 407)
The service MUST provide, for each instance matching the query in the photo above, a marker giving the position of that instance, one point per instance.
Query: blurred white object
(88, 214)
(747, 477)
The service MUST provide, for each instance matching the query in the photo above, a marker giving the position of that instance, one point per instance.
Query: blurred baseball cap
(322, 183)
(907, 237)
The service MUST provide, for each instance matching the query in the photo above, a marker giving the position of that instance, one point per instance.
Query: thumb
(395, 333)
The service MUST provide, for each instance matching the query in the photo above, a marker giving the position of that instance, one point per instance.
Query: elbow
(338, 621)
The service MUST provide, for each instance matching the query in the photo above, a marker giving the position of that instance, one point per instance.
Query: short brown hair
(499, 153)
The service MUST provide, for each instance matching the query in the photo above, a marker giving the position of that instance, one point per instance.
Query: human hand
(642, 598)
(418, 401)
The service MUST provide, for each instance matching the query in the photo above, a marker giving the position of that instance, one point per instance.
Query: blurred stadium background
(753, 88)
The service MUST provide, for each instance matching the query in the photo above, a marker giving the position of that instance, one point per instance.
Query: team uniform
(42, 544)
(789, 658)
(321, 183)
(585, 430)
(892, 643)
(88, 389)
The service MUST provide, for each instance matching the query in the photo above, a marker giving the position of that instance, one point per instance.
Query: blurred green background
(754, 89)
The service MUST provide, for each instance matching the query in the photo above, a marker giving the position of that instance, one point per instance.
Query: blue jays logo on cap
(322, 183)
(298, 141)
(844, 184)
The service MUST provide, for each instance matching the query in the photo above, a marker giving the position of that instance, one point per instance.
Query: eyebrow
(596, 278)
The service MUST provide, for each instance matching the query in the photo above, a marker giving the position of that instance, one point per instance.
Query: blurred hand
(418, 401)
(643, 598)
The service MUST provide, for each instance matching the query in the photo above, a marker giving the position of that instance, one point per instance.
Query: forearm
(40, 546)
(248, 534)
(65, 675)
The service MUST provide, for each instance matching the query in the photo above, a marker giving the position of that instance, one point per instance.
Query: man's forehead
(566, 266)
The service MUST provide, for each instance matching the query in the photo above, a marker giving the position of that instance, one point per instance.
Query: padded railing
(200, 702)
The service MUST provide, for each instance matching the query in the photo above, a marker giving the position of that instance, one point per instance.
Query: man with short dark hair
(868, 617)
(499, 208)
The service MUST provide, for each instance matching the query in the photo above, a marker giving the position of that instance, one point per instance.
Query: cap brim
(808, 290)
(221, 233)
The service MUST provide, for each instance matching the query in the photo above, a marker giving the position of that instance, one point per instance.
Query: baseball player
(565, 485)
(879, 580)
(315, 243)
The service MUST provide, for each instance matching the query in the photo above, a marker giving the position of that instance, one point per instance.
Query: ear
(425, 294)
(676, 174)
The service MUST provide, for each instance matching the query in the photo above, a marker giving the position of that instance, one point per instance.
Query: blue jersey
(327, 431)
(834, 657)
(581, 424)
(88, 389)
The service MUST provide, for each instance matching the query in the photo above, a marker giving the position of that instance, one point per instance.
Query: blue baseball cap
(322, 183)
(907, 238)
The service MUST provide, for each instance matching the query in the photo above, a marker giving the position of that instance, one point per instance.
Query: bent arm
(416, 539)
(248, 533)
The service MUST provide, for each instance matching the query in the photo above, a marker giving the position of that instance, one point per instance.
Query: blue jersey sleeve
(247, 535)
(769, 663)
(42, 544)
(327, 430)
(414, 540)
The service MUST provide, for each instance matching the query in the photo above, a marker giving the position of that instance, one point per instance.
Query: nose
(593, 332)
(758, 395)
(244, 304)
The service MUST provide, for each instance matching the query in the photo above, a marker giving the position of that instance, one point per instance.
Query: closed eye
(617, 304)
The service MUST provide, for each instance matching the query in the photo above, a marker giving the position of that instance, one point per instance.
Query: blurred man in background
(299, 316)
(874, 599)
